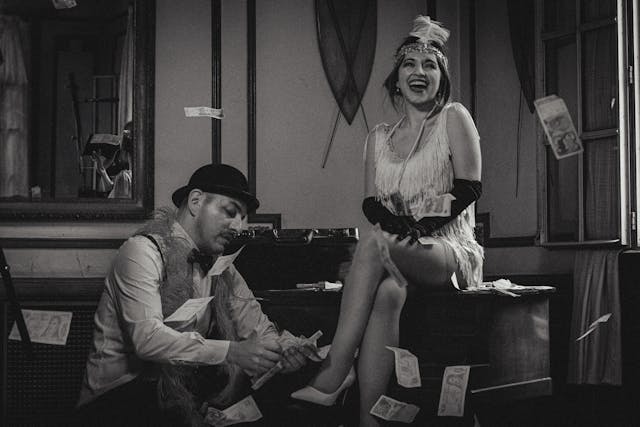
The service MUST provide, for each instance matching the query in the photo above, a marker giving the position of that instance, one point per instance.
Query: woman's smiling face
(419, 79)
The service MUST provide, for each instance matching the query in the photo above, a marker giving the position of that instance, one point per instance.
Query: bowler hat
(219, 179)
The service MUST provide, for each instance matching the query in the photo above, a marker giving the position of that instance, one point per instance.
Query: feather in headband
(431, 37)
(429, 31)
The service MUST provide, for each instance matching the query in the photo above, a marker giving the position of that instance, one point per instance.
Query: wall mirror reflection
(75, 100)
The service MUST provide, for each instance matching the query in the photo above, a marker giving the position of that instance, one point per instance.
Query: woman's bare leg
(424, 266)
(357, 299)
(383, 329)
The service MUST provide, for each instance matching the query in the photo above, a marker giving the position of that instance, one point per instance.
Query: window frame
(626, 216)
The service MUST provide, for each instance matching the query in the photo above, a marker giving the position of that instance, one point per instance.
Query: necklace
(396, 197)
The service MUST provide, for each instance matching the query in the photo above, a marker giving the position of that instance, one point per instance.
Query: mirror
(76, 109)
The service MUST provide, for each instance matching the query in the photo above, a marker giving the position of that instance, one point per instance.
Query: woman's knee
(390, 296)
(367, 251)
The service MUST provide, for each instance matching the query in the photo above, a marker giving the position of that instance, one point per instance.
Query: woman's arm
(97, 157)
(464, 143)
(370, 164)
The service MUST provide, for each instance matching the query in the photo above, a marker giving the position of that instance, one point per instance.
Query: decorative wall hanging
(347, 41)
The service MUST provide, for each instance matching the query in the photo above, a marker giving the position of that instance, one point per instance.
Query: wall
(294, 96)
(509, 165)
(296, 110)
(295, 114)
(183, 78)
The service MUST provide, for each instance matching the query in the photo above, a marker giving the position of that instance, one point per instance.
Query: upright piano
(505, 339)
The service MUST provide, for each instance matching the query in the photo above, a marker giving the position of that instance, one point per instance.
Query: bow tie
(204, 261)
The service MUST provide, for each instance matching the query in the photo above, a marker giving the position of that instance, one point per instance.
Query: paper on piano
(223, 262)
(46, 327)
(64, 4)
(188, 310)
(504, 287)
(323, 284)
(454, 390)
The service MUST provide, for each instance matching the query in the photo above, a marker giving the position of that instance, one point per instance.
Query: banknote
(593, 326)
(385, 256)
(215, 113)
(407, 369)
(214, 417)
(558, 126)
(436, 206)
(64, 4)
(324, 351)
(244, 411)
(46, 327)
(223, 262)
(454, 390)
(188, 310)
(393, 410)
(261, 380)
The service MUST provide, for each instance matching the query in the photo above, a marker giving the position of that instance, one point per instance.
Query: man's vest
(178, 385)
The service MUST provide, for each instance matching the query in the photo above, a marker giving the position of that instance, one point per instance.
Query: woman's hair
(444, 91)
(127, 138)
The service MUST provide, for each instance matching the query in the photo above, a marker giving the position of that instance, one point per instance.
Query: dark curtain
(522, 30)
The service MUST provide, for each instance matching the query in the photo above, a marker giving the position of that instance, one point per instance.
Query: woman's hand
(97, 157)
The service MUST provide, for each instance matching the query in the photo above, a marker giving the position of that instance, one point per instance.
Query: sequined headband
(419, 47)
(429, 34)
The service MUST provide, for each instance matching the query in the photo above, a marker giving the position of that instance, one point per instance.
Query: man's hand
(296, 357)
(253, 355)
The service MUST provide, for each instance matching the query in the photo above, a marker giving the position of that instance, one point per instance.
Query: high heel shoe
(313, 395)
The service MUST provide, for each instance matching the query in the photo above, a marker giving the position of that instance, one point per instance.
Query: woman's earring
(397, 90)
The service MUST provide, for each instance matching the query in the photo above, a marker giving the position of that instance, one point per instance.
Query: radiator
(43, 391)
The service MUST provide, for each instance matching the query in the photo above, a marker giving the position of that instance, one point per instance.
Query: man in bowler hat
(143, 371)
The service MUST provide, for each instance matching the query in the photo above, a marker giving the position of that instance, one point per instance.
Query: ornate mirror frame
(141, 203)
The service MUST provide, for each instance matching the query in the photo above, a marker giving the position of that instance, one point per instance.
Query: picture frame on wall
(261, 222)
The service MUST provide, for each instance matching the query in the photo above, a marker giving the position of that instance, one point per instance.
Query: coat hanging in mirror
(347, 40)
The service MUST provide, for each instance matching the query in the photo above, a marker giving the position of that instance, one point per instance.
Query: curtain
(14, 148)
(522, 31)
(125, 83)
(596, 359)
(601, 190)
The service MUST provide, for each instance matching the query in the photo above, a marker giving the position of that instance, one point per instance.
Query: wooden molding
(56, 289)
(500, 242)
(216, 76)
(60, 243)
(251, 95)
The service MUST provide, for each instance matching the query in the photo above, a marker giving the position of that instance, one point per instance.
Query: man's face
(217, 221)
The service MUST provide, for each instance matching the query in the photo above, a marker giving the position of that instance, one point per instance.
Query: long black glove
(465, 192)
(376, 213)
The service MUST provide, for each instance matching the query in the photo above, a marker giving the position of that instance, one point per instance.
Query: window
(582, 57)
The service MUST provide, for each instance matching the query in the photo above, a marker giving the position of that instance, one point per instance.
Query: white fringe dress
(402, 185)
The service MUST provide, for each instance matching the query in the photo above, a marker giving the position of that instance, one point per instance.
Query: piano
(505, 339)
